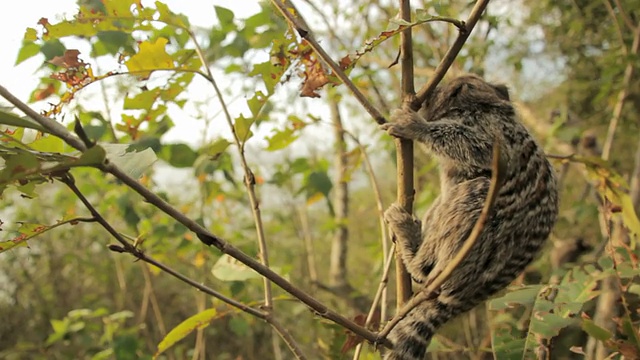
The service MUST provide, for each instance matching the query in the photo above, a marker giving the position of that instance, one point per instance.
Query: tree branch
(203, 234)
(297, 22)
(425, 92)
(404, 152)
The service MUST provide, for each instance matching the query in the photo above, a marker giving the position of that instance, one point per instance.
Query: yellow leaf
(152, 56)
(199, 259)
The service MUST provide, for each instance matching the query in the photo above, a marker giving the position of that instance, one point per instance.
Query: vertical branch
(622, 96)
(607, 305)
(308, 244)
(339, 243)
(404, 152)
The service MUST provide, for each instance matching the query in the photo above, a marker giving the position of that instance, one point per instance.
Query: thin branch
(212, 240)
(249, 178)
(425, 92)
(384, 236)
(285, 335)
(622, 96)
(129, 248)
(625, 16)
(378, 297)
(52, 126)
(616, 23)
(298, 23)
(498, 172)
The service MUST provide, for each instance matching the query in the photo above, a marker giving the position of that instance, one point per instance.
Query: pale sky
(22, 14)
(22, 79)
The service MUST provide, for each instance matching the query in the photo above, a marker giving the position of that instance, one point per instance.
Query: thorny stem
(498, 172)
(209, 238)
(129, 248)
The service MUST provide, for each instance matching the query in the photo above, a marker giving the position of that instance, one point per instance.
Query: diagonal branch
(203, 234)
(289, 12)
(425, 92)
(127, 247)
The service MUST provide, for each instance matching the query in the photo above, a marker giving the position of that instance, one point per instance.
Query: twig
(376, 299)
(625, 16)
(210, 238)
(622, 96)
(285, 335)
(384, 238)
(249, 178)
(50, 125)
(297, 22)
(616, 23)
(129, 248)
(498, 171)
(425, 92)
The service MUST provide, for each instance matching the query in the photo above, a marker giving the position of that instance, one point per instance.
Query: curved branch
(498, 172)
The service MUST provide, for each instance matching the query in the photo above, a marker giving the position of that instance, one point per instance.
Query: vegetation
(180, 192)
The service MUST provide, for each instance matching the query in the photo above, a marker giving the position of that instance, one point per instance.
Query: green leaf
(522, 296)
(594, 330)
(18, 167)
(506, 343)
(216, 148)
(178, 155)
(27, 51)
(230, 269)
(111, 42)
(256, 103)
(225, 16)
(167, 16)
(92, 157)
(281, 139)
(10, 119)
(242, 128)
(49, 143)
(319, 181)
(193, 323)
(143, 100)
(30, 34)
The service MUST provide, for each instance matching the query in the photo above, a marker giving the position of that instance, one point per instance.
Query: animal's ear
(503, 91)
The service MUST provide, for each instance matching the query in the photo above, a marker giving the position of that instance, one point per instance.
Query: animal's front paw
(405, 123)
(396, 215)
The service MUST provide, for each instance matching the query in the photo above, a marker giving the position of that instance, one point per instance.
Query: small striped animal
(459, 127)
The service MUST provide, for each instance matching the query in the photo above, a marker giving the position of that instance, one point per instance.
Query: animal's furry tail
(412, 335)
